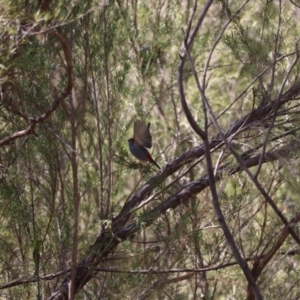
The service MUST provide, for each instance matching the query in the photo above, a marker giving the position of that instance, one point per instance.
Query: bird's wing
(141, 134)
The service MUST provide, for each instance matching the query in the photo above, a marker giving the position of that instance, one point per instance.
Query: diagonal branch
(108, 240)
(33, 121)
(259, 265)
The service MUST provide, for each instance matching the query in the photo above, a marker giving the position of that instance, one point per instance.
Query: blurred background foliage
(125, 56)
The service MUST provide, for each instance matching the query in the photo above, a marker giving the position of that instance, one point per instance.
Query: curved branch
(187, 43)
(33, 121)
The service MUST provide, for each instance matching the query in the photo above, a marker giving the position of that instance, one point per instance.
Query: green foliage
(124, 67)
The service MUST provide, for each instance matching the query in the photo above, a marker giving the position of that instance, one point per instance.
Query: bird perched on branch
(141, 139)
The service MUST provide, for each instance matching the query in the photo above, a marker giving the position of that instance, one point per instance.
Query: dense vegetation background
(81, 218)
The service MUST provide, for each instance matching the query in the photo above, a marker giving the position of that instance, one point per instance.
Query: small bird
(141, 139)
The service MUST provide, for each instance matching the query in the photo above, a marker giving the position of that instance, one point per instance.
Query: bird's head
(130, 141)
